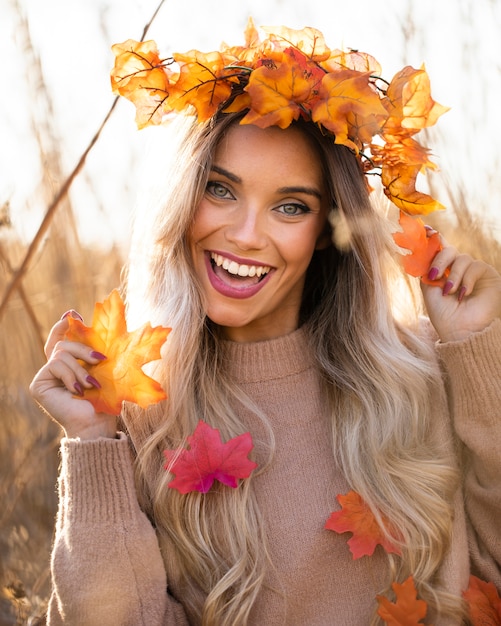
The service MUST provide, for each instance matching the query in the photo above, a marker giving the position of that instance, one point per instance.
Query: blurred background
(70, 175)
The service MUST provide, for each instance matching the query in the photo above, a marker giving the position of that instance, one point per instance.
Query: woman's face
(262, 216)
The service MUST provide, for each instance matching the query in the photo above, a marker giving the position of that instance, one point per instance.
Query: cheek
(204, 223)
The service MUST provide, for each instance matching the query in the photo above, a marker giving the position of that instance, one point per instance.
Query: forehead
(280, 152)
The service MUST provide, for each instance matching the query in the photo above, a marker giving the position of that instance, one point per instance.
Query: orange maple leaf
(279, 87)
(484, 603)
(409, 103)
(423, 248)
(120, 375)
(141, 76)
(407, 610)
(357, 518)
(343, 94)
(204, 82)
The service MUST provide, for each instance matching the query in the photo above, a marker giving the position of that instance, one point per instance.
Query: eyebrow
(311, 191)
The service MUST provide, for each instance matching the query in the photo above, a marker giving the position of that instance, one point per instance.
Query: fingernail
(447, 287)
(72, 313)
(78, 388)
(433, 273)
(90, 379)
(461, 293)
(97, 355)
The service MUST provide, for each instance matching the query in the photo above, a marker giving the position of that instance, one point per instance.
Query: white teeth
(239, 270)
(233, 268)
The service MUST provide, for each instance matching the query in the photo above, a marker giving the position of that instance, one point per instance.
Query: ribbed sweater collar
(269, 360)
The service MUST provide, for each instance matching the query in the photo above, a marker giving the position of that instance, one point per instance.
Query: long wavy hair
(376, 373)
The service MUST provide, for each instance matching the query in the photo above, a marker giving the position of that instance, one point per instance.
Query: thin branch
(18, 275)
(147, 27)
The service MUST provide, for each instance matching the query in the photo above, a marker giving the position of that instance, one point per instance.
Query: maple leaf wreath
(291, 74)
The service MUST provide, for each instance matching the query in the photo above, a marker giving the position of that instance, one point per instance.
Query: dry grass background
(64, 274)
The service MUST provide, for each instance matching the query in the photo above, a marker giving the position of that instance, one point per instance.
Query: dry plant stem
(26, 303)
(21, 271)
(18, 275)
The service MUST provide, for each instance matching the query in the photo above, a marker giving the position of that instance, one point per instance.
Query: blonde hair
(376, 375)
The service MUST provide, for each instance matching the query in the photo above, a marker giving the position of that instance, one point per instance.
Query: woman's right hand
(62, 379)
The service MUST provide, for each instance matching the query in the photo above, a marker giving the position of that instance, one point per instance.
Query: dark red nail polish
(433, 273)
(97, 355)
(461, 293)
(90, 379)
(72, 313)
(78, 388)
(447, 287)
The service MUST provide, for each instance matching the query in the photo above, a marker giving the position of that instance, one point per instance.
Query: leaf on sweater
(208, 459)
(484, 603)
(120, 375)
(407, 610)
(357, 518)
(423, 248)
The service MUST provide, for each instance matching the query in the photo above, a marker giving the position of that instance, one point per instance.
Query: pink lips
(232, 291)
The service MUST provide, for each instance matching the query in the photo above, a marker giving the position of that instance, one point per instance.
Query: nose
(247, 230)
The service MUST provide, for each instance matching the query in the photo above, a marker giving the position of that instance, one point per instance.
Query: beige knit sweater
(109, 565)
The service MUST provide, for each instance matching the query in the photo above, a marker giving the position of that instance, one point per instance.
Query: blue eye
(217, 189)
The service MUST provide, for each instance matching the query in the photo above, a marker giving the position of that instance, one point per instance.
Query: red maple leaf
(208, 459)
(357, 518)
(407, 610)
(484, 603)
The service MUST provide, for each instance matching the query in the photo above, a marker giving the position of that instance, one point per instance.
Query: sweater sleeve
(473, 368)
(106, 562)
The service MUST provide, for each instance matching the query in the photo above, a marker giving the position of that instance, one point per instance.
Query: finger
(457, 271)
(430, 231)
(63, 361)
(472, 274)
(56, 373)
(59, 330)
(72, 313)
(441, 261)
(79, 351)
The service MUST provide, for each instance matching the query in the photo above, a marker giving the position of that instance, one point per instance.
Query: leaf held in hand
(407, 610)
(208, 459)
(120, 374)
(423, 248)
(484, 603)
(357, 518)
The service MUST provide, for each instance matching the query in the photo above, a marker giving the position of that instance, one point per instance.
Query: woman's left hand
(470, 299)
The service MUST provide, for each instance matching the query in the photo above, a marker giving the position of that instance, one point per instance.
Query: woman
(281, 331)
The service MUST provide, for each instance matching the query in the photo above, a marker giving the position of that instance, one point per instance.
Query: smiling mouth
(244, 274)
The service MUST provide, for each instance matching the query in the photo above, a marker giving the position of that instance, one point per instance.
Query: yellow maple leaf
(143, 78)
(409, 103)
(120, 374)
(400, 187)
(308, 40)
